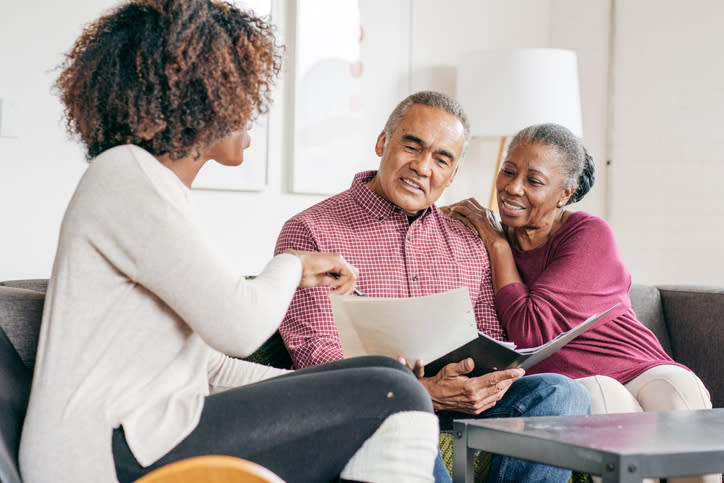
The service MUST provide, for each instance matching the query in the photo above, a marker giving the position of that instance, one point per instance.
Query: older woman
(133, 366)
(552, 268)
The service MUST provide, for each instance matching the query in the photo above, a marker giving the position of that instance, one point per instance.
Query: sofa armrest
(695, 319)
(15, 387)
(21, 312)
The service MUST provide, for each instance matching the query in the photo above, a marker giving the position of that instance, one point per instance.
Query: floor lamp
(505, 90)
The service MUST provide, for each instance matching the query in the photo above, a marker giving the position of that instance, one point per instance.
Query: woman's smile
(514, 207)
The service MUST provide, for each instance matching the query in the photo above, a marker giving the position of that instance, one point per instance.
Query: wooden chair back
(211, 469)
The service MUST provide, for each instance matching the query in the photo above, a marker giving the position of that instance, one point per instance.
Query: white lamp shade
(504, 91)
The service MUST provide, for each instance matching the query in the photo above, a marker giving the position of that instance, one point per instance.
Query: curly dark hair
(168, 75)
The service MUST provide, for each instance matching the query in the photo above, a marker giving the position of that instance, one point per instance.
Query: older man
(387, 225)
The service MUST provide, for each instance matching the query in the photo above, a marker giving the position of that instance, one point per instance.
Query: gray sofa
(689, 322)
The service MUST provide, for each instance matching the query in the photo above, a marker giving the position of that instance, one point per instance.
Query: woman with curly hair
(137, 359)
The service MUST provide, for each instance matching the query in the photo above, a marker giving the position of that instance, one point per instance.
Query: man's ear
(380, 146)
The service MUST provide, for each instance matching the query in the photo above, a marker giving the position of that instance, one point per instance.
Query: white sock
(402, 450)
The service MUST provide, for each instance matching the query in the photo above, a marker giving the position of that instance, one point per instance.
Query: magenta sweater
(577, 273)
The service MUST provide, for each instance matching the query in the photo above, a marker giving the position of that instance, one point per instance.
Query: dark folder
(491, 355)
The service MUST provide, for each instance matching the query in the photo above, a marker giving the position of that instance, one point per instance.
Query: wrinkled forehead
(434, 126)
(538, 157)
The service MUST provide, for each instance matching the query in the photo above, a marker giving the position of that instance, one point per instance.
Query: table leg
(462, 455)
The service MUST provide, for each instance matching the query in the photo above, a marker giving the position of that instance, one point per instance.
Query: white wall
(584, 28)
(441, 37)
(667, 202)
(469, 26)
(40, 168)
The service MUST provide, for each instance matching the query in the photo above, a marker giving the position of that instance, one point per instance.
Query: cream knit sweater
(137, 318)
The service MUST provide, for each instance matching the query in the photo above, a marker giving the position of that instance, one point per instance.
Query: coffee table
(618, 447)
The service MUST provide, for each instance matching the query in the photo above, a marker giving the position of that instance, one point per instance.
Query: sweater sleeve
(146, 230)
(582, 274)
(231, 314)
(308, 329)
(226, 372)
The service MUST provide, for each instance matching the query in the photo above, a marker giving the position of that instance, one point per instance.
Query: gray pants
(303, 426)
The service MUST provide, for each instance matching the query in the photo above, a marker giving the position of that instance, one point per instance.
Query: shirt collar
(374, 203)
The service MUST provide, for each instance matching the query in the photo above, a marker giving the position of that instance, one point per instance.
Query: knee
(574, 397)
(669, 387)
(561, 395)
(383, 361)
(608, 395)
(405, 393)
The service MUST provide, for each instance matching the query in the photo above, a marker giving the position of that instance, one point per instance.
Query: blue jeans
(439, 472)
(534, 395)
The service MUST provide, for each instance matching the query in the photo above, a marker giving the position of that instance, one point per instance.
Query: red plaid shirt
(395, 258)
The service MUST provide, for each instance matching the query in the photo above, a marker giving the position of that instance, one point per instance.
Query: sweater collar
(162, 177)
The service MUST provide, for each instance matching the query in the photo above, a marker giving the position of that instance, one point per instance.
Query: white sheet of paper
(416, 328)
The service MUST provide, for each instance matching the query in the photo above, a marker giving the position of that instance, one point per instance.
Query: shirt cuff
(292, 263)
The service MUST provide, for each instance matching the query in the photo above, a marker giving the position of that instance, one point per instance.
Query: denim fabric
(440, 472)
(534, 395)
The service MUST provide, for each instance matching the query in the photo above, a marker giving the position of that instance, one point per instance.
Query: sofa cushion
(14, 390)
(36, 284)
(695, 317)
(21, 306)
(20, 313)
(646, 304)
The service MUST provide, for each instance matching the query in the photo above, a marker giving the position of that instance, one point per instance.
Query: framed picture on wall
(252, 175)
(351, 67)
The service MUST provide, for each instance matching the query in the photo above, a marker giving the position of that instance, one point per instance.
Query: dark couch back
(21, 305)
(21, 309)
(15, 378)
(695, 321)
(646, 303)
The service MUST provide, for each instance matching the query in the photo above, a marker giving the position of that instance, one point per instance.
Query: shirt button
(396, 210)
(414, 279)
(381, 218)
(408, 237)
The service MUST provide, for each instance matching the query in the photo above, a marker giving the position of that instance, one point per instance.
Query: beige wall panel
(667, 205)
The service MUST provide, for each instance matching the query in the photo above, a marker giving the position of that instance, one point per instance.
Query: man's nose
(422, 164)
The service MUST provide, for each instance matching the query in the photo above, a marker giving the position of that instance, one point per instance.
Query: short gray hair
(577, 164)
(432, 99)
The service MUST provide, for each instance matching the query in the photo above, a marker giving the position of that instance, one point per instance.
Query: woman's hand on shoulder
(326, 270)
(477, 217)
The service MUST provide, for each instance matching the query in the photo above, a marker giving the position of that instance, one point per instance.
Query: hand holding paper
(439, 329)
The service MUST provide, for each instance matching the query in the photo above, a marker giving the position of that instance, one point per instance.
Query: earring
(560, 203)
